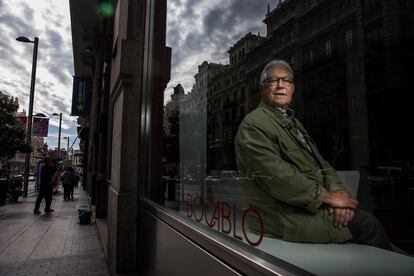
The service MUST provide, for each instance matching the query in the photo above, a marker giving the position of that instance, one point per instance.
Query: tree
(12, 133)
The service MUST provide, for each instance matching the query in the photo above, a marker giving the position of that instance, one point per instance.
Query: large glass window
(348, 38)
(237, 165)
(328, 47)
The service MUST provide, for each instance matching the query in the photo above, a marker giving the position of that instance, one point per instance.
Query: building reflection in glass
(352, 63)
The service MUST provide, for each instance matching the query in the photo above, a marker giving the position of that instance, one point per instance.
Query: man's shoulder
(259, 118)
(255, 117)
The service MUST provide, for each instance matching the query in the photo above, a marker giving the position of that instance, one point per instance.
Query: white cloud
(205, 30)
(50, 21)
(197, 31)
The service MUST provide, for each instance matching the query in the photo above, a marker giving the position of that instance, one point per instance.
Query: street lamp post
(67, 148)
(60, 131)
(30, 115)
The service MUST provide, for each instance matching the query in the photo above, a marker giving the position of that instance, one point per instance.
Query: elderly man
(296, 191)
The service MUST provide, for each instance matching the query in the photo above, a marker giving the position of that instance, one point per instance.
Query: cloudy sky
(50, 21)
(205, 30)
(197, 31)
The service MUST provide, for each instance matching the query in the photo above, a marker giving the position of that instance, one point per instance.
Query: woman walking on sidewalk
(47, 174)
(68, 182)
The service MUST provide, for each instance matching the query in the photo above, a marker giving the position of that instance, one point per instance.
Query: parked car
(222, 177)
(190, 180)
(224, 186)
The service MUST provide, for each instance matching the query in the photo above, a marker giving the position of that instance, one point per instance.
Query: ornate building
(337, 50)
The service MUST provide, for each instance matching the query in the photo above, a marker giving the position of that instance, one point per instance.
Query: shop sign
(223, 217)
(22, 120)
(40, 126)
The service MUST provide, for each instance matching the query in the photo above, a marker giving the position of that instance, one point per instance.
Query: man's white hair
(272, 63)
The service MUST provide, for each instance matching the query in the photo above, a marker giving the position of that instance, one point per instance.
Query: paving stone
(52, 244)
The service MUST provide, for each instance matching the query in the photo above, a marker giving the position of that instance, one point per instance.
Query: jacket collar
(288, 124)
(282, 120)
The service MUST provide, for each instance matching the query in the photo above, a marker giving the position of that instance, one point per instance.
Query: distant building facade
(336, 49)
(17, 163)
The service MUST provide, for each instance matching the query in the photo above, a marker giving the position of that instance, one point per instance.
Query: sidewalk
(49, 244)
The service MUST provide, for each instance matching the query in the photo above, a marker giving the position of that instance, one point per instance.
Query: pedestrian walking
(77, 178)
(68, 182)
(47, 177)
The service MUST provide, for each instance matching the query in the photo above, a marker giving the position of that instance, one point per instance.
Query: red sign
(22, 119)
(40, 126)
(224, 216)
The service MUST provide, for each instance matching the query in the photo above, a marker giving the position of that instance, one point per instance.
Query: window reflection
(352, 61)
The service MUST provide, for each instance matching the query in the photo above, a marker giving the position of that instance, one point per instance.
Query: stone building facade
(116, 46)
(337, 51)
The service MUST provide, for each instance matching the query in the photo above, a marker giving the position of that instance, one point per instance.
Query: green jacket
(284, 180)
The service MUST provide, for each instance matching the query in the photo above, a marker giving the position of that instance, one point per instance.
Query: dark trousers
(67, 190)
(366, 229)
(47, 194)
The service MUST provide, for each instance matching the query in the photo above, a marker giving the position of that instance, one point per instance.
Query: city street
(52, 244)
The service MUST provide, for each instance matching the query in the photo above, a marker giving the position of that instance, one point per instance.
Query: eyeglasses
(275, 81)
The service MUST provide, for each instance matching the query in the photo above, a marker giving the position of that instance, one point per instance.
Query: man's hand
(341, 199)
(341, 216)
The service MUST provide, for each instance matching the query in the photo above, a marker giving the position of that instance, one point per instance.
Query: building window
(310, 26)
(242, 94)
(215, 196)
(309, 87)
(350, 71)
(374, 37)
(313, 115)
(311, 55)
(348, 38)
(235, 96)
(328, 48)
(308, 4)
(343, 6)
(330, 110)
(328, 14)
(242, 112)
(372, 4)
(292, 61)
